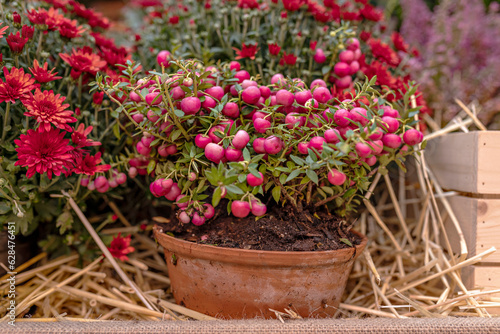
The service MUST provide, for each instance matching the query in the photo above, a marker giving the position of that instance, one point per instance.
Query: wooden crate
(466, 162)
(480, 222)
(469, 163)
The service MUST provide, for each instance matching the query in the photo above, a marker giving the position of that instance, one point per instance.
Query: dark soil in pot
(281, 229)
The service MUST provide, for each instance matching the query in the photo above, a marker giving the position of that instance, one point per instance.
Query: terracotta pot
(238, 283)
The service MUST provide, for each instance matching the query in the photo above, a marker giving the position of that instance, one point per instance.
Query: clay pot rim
(251, 257)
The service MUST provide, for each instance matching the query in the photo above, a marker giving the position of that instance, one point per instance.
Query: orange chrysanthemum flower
(247, 51)
(42, 74)
(17, 85)
(2, 30)
(47, 108)
(84, 60)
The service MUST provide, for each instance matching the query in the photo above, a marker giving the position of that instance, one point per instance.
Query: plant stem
(6, 121)
(80, 84)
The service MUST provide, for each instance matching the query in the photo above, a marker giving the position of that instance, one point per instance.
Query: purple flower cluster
(459, 47)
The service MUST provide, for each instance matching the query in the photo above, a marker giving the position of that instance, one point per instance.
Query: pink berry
(240, 139)
(312, 104)
(138, 118)
(377, 146)
(219, 129)
(84, 181)
(240, 209)
(319, 56)
(216, 92)
(258, 145)
(234, 65)
(303, 147)
(251, 95)
(214, 152)
(317, 143)
(258, 209)
(153, 98)
(343, 83)
(261, 125)
(209, 103)
(192, 176)
(163, 58)
(197, 219)
(254, 181)
(346, 56)
(391, 140)
(352, 44)
(184, 217)
(354, 66)
(265, 91)
(142, 149)
(388, 111)
(249, 83)
(167, 184)
(135, 97)
(173, 192)
(231, 109)
(332, 136)
(100, 181)
(284, 98)
(322, 94)
(232, 154)
(390, 124)
(376, 134)
(183, 204)
(371, 160)
(303, 96)
(201, 140)
(273, 145)
(363, 150)
(336, 177)
(359, 115)
(152, 116)
(91, 186)
(242, 75)
(341, 117)
(318, 83)
(177, 93)
(292, 120)
(132, 172)
(413, 137)
(278, 79)
(171, 149)
(342, 69)
(190, 105)
(209, 211)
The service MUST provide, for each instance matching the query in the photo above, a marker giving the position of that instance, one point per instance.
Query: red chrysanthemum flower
(292, 5)
(2, 30)
(115, 55)
(79, 137)
(399, 42)
(247, 51)
(103, 41)
(89, 165)
(58, 4)
(43, 152)
(70, 28)
(383, 52)
(84, 60)
(250, 4)
(313, 44)
(27, 31)
(17, 85)
(120, 247)
(174, 19)
(42, 74)
(371, 13)
(47, 108)
(288, 59)
(16, 18)
(97, 98)
(49, 19)
(16, 42)
(365, 35)
(274, 49)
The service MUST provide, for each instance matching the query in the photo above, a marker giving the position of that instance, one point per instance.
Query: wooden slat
(480, 222)
(466, 162)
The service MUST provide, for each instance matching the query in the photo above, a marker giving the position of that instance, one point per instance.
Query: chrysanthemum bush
(55, 134)
(211, 133)
(306, 39)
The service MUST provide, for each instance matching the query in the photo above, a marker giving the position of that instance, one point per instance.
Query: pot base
(242, 284)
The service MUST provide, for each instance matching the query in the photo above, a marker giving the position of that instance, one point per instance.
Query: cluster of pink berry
(102, 184)
(216, 115)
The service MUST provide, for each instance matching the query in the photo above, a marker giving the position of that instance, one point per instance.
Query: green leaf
(175, 134)
(234, 189)
(4, 207)
(178, 113)
(283, 178)
(64, 221)
(276, 193)
(312, 175)
(297, 160)
(216, 197)
(116, 130)
(246, 154)
(151, 166)
(254, 172)
(328, 190)
(293, 175)
(347, 242)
